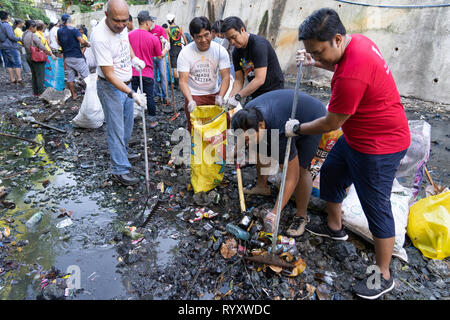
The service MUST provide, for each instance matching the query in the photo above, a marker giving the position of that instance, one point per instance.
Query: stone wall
(415, 42)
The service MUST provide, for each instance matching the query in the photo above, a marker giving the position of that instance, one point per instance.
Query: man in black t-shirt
(254, 59)
(270, 111)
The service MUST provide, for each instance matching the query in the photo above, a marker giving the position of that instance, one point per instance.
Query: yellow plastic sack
(429, 226)
(209, 128)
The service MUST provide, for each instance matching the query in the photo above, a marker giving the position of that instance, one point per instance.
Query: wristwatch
(238, 97)
(130, 94)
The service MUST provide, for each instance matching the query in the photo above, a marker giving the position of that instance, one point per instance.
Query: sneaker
(125, 179)
(297, 227)
(362, 289)
(324, 231)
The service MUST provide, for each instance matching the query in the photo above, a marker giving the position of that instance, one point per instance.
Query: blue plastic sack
(54, 74)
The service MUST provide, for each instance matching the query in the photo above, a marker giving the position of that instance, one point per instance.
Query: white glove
(305, 58)
(137, 63)
(191, 105)
(219, 101)
(140, 99)
(232, 103)
(289, 127)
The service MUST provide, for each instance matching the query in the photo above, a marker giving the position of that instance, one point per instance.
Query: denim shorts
(11, 58)
(372, 175)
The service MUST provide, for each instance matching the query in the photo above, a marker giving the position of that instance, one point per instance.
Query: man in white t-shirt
(199, 64)
(114, 56)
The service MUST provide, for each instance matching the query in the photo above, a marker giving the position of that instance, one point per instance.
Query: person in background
(46, 32)
(226, 44)
(70, 39)
(365, 102)
(159, 63)
(83, 46)
(85, 30)
(40, 27)
(200, 64)
(215, 32)
(175, 33)
(9, 47)
(146, 46)
(130, 25)
(18, 32)
(255, 59)
(115, 58)
(29, 39)
(54, 45)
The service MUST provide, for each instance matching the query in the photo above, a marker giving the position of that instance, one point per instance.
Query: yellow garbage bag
(429, 226)
(208, 159)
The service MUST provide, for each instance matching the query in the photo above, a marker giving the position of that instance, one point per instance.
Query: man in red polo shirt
(366, 104)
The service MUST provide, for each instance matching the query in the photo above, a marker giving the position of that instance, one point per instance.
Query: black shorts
(304, 146)
(173, 53)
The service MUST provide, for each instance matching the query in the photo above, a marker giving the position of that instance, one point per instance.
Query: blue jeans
(11, 58)
(159, 65)
(118, 110)
(147, 84)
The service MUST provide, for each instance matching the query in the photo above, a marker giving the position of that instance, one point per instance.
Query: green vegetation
(22, 8)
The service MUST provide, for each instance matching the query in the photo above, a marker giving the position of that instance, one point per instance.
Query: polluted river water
(80, 248)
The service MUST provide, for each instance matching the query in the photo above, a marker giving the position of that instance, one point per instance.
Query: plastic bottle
(34, 220)
(237, 232)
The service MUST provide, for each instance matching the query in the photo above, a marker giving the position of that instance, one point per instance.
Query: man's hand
(191, 105)
(291, 127)
(304, 57)
(137, 63)
(140, 99)
(232, 102)
(219, 101)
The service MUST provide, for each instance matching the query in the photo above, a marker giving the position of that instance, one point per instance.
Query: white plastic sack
(355, 220)
(90, 58)
(137, 109)
(411, 169)
(90, 114)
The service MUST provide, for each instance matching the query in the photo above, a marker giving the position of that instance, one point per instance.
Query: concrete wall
(414, 42)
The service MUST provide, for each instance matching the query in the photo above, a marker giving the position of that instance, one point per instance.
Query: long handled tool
(271, 258)
(175, 113)
(165, 82)
(240, 188)
(147, 179)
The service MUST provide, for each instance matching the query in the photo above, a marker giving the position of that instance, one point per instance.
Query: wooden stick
(431, 180)
(240, 188)
(19, 138)
(48, 126)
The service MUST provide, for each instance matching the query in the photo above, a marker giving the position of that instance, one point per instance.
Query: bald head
(116, 15)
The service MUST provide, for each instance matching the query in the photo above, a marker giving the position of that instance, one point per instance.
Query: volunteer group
(222, 63)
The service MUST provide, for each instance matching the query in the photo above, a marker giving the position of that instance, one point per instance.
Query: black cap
(145, 16)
